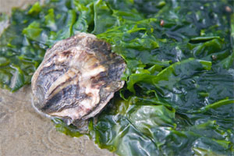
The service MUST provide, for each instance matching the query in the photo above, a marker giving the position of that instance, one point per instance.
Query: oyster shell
(77, 78)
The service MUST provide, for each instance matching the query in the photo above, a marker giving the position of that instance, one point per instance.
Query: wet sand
(23, 132)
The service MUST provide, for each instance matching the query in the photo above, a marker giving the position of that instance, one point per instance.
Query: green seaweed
(179, 91)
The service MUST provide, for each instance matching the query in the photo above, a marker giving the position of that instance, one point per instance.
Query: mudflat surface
(23, 132)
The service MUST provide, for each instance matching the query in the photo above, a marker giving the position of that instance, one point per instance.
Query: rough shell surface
(77, 78)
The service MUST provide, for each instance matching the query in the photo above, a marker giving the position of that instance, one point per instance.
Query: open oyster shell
(77, 78)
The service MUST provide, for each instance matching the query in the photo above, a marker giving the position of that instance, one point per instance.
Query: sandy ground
(23, 132)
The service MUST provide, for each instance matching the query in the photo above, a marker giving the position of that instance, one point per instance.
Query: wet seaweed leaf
(178, 97)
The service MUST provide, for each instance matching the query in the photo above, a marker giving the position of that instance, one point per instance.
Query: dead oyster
(77, 78)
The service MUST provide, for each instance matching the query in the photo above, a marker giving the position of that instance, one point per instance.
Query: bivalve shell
(77, 78)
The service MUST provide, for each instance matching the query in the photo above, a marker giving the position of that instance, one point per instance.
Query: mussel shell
(77, 78)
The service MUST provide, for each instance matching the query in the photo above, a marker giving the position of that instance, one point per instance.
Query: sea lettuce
(179, 93)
